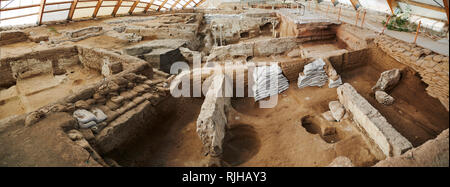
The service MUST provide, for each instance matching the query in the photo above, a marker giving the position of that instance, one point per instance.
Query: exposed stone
(75, 135)
(433, 153)
(154, 44)
(341, 161)
(328, 116)
(387, 80)
(84, 31)
(384, 98)
(337, 110)
(33, 118)
(372, 122)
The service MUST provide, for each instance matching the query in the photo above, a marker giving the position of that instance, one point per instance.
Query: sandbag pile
(269, 81)
(88, 119)
(313, 74)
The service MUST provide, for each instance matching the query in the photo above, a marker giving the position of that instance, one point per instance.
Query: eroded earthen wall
(432, 67)
(350, 60)
(12, 36)
(52, 60)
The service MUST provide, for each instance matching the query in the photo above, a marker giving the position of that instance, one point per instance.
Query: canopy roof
(14, 12)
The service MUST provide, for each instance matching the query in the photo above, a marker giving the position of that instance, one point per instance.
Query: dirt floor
(44, 144)
(32, 93)
(322, 49)
(416, 115)
(257, 137)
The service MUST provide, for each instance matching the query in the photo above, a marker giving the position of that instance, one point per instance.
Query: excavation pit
(34, 80)
(147, 126)
(416, 121)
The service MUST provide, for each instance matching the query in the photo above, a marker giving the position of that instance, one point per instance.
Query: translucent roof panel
(25, 15)
(14, 12)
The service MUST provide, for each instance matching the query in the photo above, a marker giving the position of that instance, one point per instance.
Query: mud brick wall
(30, 64)
(432, 67)
(349, 60)
(390, 141)
(292, 68)
(13, 36)
(310, 31)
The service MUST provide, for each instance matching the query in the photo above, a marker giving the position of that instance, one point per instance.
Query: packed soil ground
(32, 93)
(257, 137)
(44, 144)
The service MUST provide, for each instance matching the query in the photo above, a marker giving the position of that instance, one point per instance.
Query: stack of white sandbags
(87, 119)
(313, 74)
(269, 81)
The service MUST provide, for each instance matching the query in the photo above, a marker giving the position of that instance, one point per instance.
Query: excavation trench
(415, 114)
(294, 128)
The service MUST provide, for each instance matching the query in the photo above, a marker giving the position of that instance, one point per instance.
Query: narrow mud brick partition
(372, 122)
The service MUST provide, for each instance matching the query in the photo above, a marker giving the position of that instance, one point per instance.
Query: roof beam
(334, 2)
(97, 7)
(160, 6)
(355, 4)
(423, 5)
(148, 6)
(116, 8)
(199, 3)
(189, 2)
(41, 12)
(175, 4)
(72, 9)
(133, 7)
(392, 4)
(446, 9)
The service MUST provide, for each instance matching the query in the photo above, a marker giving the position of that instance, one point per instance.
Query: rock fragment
(384, 98)
(387, 80)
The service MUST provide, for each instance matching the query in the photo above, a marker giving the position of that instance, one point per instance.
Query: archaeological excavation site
(224, 83)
